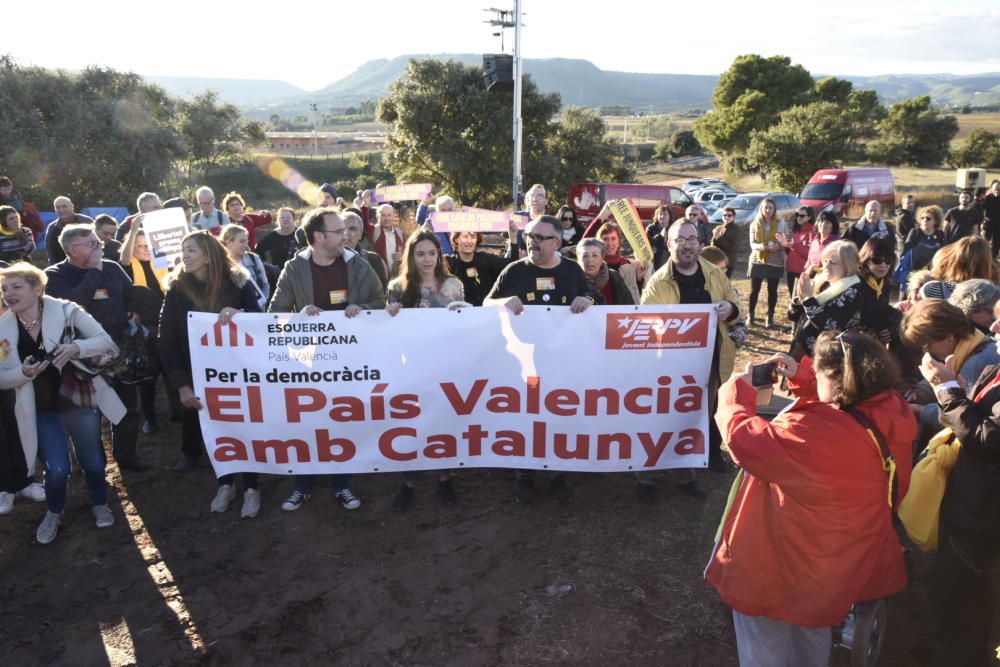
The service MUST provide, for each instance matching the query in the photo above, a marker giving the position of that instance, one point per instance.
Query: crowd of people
(812, 513)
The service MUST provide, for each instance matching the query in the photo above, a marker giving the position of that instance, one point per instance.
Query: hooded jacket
(809, 532)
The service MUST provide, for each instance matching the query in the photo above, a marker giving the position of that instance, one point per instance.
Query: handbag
(920, 510)
(77, 381)
(134, 363)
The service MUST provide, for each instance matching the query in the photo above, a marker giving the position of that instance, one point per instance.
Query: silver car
(747, 205)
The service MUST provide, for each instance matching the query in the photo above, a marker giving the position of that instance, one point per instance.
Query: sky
(312, 44)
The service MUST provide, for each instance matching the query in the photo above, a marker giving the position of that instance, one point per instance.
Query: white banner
(615, 388)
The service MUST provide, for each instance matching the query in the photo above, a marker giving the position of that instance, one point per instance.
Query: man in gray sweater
(326, 276)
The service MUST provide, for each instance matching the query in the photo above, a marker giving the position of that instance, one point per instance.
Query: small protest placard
(405, 192)
(164, 230)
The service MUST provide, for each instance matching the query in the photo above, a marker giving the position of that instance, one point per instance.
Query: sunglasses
(539, 238)
(880, 260)
(801, 215)
(567, 218)
(728, 215)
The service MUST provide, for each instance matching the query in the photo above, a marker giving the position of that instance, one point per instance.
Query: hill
(579, 82)
(241, 92)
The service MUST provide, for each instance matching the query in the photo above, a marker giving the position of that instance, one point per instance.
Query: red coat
(810, 531)
(251, 221)
(798, 253)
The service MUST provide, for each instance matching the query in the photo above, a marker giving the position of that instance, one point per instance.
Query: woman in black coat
(961, 589)
(208, 281)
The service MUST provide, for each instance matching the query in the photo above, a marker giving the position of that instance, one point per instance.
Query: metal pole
(315, 136)
(517, 102)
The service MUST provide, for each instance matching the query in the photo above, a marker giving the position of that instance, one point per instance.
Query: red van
(846, 191)
(588, 199)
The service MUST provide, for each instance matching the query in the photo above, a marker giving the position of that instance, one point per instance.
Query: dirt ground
(606, 580)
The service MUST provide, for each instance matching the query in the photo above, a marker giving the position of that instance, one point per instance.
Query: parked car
(588, 198)
(746, 206)
(846, 191)
(711, 195)
(699, 183)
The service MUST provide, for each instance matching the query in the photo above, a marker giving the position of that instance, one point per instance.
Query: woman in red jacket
(803, 234)
(809, 531)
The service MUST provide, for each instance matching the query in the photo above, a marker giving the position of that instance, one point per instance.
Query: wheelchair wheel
(869, 621)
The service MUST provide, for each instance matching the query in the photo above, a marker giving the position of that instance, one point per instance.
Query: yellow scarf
(772, 235)
(875, 285)
(139, 275)
(966, 347)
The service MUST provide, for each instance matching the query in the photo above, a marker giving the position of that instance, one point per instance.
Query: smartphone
(763, 375)
(50, 357)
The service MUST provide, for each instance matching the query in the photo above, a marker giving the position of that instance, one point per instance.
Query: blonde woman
(34, 353)
(768, 235)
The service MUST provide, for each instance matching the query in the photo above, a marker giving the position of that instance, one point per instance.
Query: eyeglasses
(567, 218)
(692, 215)
(539, 238)
(686, 240)
(801, 215)
(331, 231)
(880, 260)
(728, 215)
(926, 218)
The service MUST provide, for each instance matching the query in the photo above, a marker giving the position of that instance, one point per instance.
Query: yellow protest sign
(631, 225)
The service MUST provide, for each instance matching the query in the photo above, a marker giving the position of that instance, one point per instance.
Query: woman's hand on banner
(188, 399)
(226, 315)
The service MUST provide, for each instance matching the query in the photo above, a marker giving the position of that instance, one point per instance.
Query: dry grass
(976, 121)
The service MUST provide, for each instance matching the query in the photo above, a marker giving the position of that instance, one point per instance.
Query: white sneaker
(294, 501)
(224, 496)
(33, 491)
(6, 502)
(251, 504)
(347, 499)
(103, 515)
(48, 529)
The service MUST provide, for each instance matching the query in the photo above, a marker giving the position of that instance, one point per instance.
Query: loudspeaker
(498, 70)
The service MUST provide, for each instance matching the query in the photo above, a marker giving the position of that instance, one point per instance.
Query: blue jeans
(84, 426)
(305, 483)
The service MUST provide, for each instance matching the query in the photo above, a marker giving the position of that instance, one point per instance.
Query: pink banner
(406, 192)
(474, 220)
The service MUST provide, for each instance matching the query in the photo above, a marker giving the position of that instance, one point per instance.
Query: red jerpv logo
(656, 331)
(226, 335)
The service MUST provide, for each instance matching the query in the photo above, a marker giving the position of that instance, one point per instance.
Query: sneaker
(48, 529)
(251, 504)
(347, 499)
(646, 493)
(103, 516)
(294, 501)
(446, 492)
(6, 502)
(559, 490)
(224, 496)
(524, 490)
(33, 491)
(403, 499)
(185, 462)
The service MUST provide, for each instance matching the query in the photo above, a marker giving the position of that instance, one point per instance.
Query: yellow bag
(921, 508)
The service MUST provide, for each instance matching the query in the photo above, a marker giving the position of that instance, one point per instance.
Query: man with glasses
(100, 286)
(687, 278)
(543, 278)
(326, 276)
